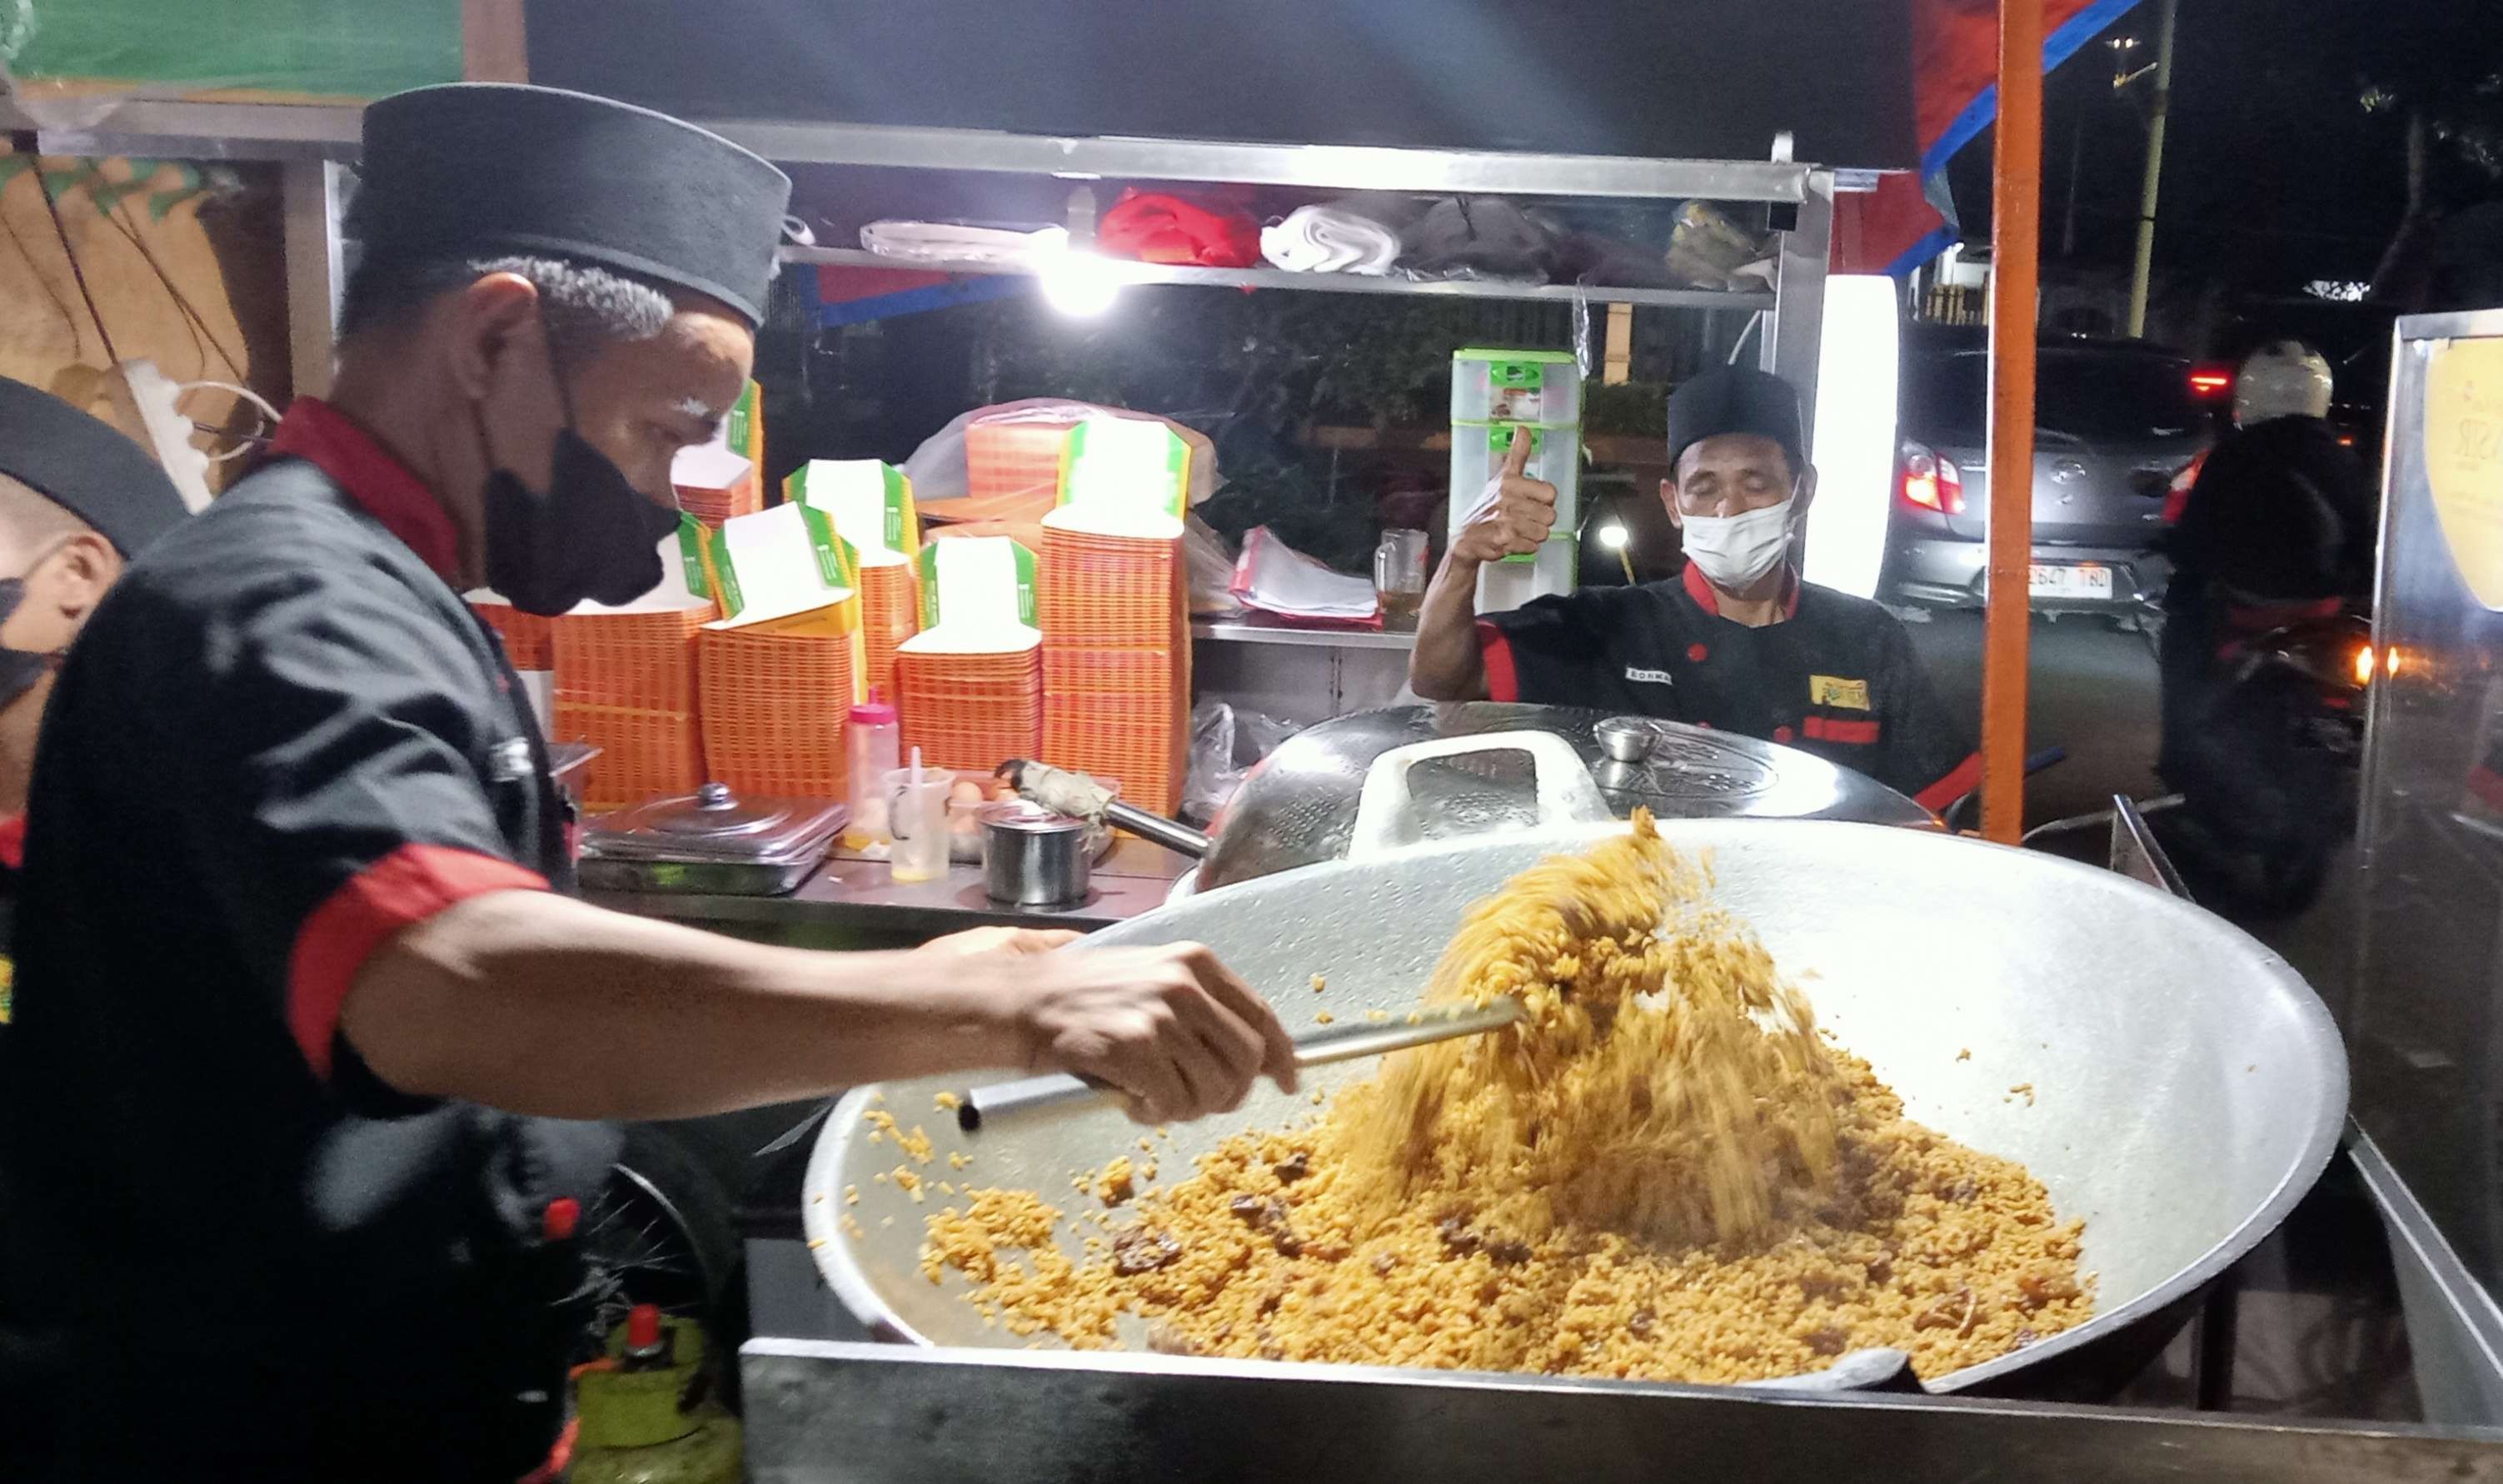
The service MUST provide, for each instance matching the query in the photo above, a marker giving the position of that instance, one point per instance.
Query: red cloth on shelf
(1155, 227)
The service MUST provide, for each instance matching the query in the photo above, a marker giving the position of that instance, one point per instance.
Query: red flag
(1955, 96)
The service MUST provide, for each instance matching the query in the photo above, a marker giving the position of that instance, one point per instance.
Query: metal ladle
(1080, 796)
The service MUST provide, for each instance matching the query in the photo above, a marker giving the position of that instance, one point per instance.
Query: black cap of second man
(1736, 399)
(84, 466)
(483, 169)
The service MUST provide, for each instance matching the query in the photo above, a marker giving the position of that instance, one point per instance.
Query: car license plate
(2086, 580)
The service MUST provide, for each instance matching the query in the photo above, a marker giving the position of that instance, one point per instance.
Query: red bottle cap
(876, 711)
(563, 1216)
(644, 1327)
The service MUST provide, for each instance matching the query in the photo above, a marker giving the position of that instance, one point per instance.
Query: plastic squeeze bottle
(873, 736)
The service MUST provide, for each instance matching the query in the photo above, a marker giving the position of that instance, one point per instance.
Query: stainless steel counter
(848, 892)
(859, 1413)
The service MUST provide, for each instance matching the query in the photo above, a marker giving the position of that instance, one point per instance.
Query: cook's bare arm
(1445, 664)
(1513, 515)
(537, 1003)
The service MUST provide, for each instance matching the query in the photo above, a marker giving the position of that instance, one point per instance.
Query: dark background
(2286, 157)
(1711, 79)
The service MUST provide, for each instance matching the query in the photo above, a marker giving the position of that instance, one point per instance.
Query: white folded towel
(1325, 239)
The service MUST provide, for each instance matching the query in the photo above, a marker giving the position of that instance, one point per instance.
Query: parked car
(2117, 422)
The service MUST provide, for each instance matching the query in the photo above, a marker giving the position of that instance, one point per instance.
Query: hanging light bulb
(1075, 282)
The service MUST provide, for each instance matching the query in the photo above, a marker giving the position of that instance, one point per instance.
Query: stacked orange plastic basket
(1014, 455)
(1115, 662)
(625, 683)
(890, 614)
(714, 506)
(711, 485)
(529, 641)
(774, 703)
(971, 712)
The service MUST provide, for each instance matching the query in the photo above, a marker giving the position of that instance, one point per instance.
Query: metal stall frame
(316, 132)
(2406, 822)
(1345, 671)
(311, 140)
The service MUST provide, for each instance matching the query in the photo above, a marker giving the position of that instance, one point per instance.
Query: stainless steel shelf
(153, 129)
(291, 130)
(1235, 631)
(1127, 272)
(1334, 167)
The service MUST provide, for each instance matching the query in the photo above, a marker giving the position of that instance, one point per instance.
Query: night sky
(2275, 171)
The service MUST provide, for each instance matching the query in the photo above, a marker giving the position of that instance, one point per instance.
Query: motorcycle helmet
(2282, 379)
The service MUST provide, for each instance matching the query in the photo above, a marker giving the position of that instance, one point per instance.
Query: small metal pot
(1033, 858)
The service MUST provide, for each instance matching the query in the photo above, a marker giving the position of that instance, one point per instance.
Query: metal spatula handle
(1335, 1043)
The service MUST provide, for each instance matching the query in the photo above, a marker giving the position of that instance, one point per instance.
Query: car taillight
(2209, 383)
(1930, 482)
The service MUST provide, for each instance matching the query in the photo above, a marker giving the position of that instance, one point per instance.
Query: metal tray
(703, 878)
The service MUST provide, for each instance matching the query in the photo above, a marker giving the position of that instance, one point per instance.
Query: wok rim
(2318, 1031)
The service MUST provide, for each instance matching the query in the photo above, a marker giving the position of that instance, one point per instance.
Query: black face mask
(592, 535)
(19, 669)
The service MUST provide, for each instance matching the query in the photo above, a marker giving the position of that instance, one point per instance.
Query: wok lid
(714, 824)
(1298, 806)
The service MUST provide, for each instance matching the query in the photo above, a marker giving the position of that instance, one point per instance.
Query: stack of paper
(1274, 577)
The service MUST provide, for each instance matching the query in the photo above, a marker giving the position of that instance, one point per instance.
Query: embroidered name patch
(1825, 690)
(1651, 677)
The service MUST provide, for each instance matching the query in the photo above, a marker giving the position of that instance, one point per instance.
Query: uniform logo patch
(1827, 690)
(1635, 672)
(512, 759)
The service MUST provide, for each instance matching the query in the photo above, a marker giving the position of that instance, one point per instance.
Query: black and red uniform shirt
(1836, 677)
(282, 740)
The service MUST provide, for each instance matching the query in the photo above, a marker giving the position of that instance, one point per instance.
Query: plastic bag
(1224, 744)
(1003, 463)
(1212, 570)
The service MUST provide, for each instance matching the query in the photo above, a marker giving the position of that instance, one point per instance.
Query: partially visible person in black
(76, 500)
(2276, 533)
(312, 1047)
(1739, 642)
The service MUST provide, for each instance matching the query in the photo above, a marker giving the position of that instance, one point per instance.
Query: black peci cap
(485, 168)
(86, 466)
(1736, 399)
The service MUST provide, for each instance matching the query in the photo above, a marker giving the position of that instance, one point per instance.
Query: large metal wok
(2186, 1086)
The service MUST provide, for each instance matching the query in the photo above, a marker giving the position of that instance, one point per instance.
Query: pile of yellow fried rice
(1662, 1171)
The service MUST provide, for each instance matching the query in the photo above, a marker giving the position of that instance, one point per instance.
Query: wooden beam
(495, 45)
(2016, 220)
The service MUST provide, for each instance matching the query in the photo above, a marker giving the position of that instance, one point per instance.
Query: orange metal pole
(2016, 220)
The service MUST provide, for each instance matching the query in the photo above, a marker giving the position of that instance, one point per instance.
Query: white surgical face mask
(1735, 552)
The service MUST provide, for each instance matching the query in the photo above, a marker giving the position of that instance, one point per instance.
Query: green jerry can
(647, 1414)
